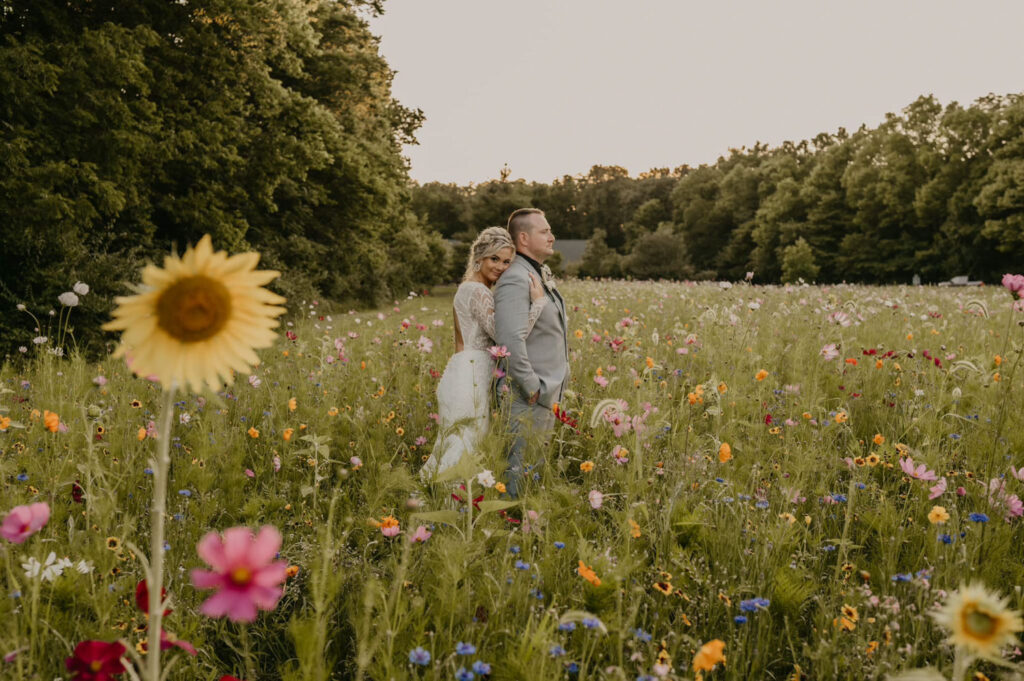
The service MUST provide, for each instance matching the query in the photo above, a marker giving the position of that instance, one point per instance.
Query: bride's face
(492, 266)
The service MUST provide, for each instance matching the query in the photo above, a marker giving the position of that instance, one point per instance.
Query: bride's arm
(482, 307)
(458, 332)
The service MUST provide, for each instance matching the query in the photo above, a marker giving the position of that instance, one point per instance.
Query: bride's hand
(536, 290)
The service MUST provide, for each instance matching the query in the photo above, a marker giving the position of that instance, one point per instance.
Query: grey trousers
(531, 427)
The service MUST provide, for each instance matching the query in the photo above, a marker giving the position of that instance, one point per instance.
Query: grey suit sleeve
(511, 326)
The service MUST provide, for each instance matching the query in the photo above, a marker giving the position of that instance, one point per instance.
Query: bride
(464, 392)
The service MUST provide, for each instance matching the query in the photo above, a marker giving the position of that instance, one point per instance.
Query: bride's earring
(476, 267)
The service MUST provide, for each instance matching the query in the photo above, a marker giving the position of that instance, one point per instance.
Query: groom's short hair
(519, 222)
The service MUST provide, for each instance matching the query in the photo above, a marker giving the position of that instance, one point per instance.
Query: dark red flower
(142, 597)
(290, 335)
(229, 678)
(96, 661)
(768, 419)
(77, 493)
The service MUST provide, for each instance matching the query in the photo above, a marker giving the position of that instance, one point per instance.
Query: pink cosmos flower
(24, 521)
(938, 489)
(425, 345)
(596, 499)
(601, 381)
(245, 574)
(921, 472)
(829, 352)
(1017, 473)
(1014, 283)
(498, 351)
(531, 522)
(620, 452)
(421, 535)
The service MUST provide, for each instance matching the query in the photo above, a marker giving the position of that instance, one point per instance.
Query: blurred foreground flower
(96, 661)
(198, 318)
(979, 621)
(24, 521)
(710, 654)
(244, 572)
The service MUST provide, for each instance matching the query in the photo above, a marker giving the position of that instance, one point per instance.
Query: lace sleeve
(481, 306)
(536, 307)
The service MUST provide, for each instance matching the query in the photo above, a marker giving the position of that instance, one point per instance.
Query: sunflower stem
(155, 574)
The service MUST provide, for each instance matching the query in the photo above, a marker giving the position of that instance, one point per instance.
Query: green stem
(161, 469)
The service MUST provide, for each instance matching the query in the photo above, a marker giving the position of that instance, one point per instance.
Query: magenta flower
(1017, 473)
(498, 351)
(938, 489)
(24, 521)
(601, 381)
(829, 352)
(244, 573)
(921, 472)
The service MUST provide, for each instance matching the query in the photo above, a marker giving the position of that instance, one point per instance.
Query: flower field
(745, 483)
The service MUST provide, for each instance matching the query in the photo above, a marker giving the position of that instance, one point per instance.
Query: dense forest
(127, 128)
(934, 191)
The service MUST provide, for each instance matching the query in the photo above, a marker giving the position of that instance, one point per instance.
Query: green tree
(658, 255)
(798, 262)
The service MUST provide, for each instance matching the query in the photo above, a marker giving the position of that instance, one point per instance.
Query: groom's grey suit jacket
(540, 360)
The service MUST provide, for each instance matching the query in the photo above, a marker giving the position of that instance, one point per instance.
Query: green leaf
(446, 517)
(496, 505)
(466, 468)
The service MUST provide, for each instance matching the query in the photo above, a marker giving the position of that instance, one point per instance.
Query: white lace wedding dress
(464, 392)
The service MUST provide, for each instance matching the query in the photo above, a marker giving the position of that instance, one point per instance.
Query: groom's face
(538, 241)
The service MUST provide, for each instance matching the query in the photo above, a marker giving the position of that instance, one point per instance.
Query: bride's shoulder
(471, 287)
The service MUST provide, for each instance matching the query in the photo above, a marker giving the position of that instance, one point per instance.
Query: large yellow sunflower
(197, 318)
(979, 620)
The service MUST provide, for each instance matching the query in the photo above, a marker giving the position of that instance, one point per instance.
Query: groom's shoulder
(517, 272)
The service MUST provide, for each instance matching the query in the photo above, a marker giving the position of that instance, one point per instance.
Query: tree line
(936, 191)
(127, 128)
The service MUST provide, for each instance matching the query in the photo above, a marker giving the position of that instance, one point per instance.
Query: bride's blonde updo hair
(490, 241)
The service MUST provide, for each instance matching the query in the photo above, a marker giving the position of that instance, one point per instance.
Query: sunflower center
(241, 576)
(979, 623)
(194, 308)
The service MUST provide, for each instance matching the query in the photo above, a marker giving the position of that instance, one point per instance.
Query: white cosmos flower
(47, 571)
(39, 340)
(21, 307)
(83, 566)
(22, 349)
(486, 478)
(68, 299)
(80, 288)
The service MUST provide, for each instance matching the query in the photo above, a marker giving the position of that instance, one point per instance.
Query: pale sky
(552, 87)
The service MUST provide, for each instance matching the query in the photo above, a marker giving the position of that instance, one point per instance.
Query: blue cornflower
(538, 594)
(572, 668)
(839, 498)
(481, 668)
(464, 648)
(954, 436)
(513, 550)
(520, 565)
(762, 503)
(754, 604)
(861, 485)
(642, 635)
(185, 492)
(740, 619)
(945, 539)
(591, 622)
(556, 651)
(720, 480)
(567, 626)
(828, 547)
(178, 516)
(902, 577)
(728, 500)
(147, 471)
(464, 674)
(978, 517)
(559, 545)
(23, 477)
(419, 656)
(744, 497)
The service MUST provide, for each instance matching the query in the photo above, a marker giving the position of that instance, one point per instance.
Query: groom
(538, 364)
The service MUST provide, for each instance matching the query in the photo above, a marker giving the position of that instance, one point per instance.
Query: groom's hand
(534, 397)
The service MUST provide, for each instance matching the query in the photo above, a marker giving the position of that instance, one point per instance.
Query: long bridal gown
(464, 392)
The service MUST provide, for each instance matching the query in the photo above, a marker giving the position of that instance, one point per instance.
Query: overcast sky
(552, 87)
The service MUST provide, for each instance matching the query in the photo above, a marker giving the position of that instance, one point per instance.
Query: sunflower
(198, 318)
(979, 620)
(664, 587)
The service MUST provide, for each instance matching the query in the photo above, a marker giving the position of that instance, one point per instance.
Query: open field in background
(760, 450)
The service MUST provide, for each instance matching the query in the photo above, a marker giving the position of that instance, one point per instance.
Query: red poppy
(77, 493)
(142, 597)
(96, 661)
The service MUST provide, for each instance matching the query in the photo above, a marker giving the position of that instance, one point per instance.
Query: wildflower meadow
(745, 482)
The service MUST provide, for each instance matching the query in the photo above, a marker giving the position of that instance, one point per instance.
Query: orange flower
(851, 360)
(292, 570)
(722, 387)
(806, 414)
(253, 433)
(499, 487)
(587, 466)
(710, 654)
(650, 362)
(5, 423)
(292, 404)
(761, 375)
(287, 434)
(333, 411)
(724, 452)
(998, 360)
(996, 377)
(878, 439)
(579, 333)
(141, 435)
(51, 421)
(588, 574)
(634, 529)
(841, 417)
(879, 364)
